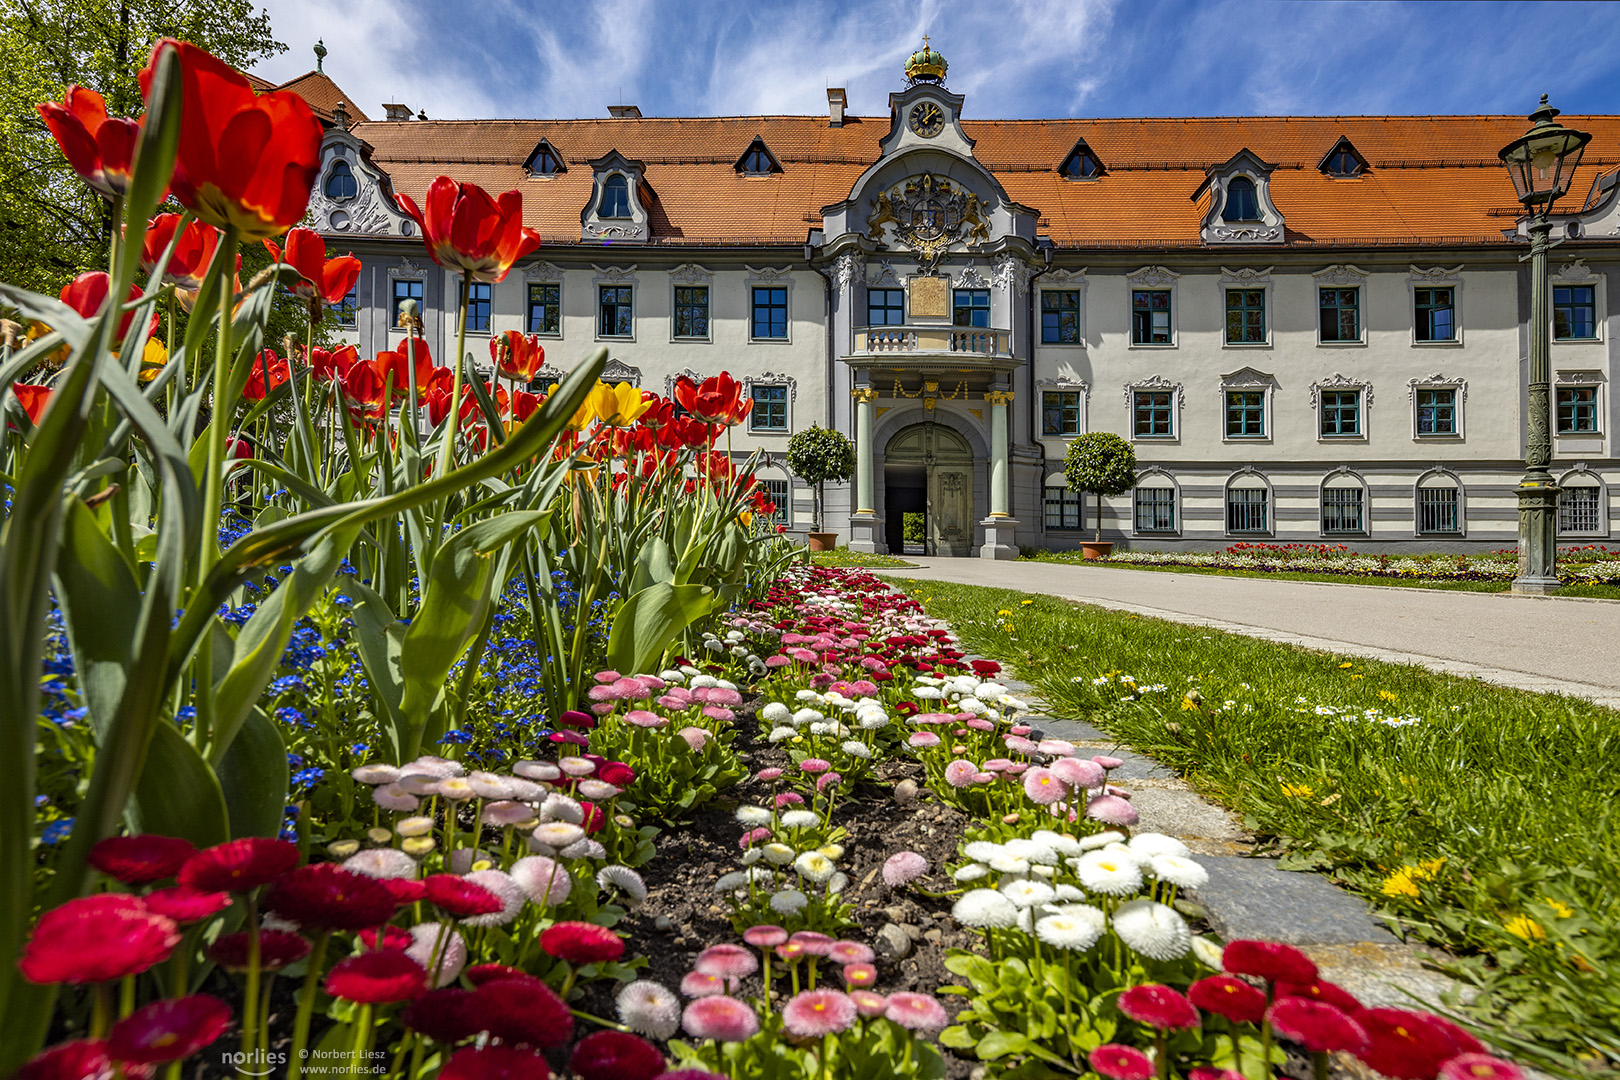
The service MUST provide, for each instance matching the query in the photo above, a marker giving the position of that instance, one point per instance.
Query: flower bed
(1587, 565)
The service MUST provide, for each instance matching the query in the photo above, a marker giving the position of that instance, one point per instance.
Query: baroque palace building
(1313, 329)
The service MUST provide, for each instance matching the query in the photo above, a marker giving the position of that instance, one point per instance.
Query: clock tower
(925, 113)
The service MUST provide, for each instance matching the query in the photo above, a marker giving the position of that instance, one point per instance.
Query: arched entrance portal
(928, 470)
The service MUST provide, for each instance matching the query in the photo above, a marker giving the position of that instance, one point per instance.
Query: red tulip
(464, 229)
(87, 294)
(246, 161)
(192, 252)
(363, 386)
(393, 364)
(658, 415)
(523, 405)
(517, 357)
(719, 400)
(100, 148)
(335, 364)
(33, 399)
(267, 368)
(328, 279)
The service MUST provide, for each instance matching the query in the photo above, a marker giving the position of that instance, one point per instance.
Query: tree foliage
(1101, 462)
(817, 455)
(51, 226)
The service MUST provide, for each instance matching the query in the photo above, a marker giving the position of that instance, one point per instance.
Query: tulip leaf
(650, 621)
(253, 773)
(101, 603)
(653, 565)
(178, 794)
(455, 605)
(380, 637)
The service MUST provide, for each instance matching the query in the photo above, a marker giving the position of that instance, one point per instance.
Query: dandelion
(1525, 928)
(1152, 929)
(1297, 791)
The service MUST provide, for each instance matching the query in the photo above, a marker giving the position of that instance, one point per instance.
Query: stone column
(999, 542)
(865, 527)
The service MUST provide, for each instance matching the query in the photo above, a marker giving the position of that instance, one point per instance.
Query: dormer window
(340, 182)
(1081, 164)
(1242, 204)
(615, 197)
(757, 160)
(1344, 161)
(545, 161)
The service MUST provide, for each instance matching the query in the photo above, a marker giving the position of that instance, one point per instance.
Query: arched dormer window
(1242, 204)
(340, 182)
(615, 197)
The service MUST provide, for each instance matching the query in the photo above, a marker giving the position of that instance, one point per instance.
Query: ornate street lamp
(1541, 164)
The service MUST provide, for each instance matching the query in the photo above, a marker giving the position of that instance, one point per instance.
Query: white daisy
(800, 819)
(1003, 863)
(1103, 872)
(856, 749)
(626, 880)
(815, 867)
(1180, 872)
(981, 850)
(1033, 850)
(1149, 844)
(752, 816)
(1208, 952)
(648, 1009)
(789, 901)
(1067, 932)
(752, 856)
(1063, 845)
(1102, 839)
(1026, 893)
(970, 872)
(1152, 929)
(729, 882)
(985, 909)
(778, 854)
(781, 734)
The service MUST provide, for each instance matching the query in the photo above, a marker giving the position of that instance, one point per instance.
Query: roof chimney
(837, 102)
(397, 111)
(624, 112)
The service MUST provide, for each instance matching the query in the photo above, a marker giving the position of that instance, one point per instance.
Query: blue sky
(1012, 58)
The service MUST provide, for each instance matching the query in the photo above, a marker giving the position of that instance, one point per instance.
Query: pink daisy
(818, 1012)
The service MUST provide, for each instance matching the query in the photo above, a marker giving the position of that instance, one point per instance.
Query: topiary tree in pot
(817, 455)
(1100, 462)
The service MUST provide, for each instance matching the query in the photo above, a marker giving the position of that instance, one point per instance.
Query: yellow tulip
(618, 405)
(153, 360)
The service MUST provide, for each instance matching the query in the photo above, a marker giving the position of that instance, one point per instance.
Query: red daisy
(1474, 1066)
(1158, 1006)
(479, 974)
(1317, 1026)
(392, 937)
(1120, 1062)
(1320, 990)
(1232, 998)
(495, 1063)
(168, 1030)
(446, 1016)
(239, 865)
(458, 897)
(81, 1059)
(616, 1055)
(404, 890)
(525, 1011)
(1269, 960)
(186, 905)
(1405, 1045)
(277, 949)
(582, 943)
(375, 978)
(324, 896)
(97, 939)
(142, 859)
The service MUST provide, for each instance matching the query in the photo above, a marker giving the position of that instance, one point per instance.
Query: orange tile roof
(1432, 180)
(322, 95)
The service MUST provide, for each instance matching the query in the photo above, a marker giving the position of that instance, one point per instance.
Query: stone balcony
(978, 357)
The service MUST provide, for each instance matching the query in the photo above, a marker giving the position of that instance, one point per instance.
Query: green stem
(126, 996)
(1161, 1057)
(219, 421)
(306, 1005)
(101, 1010)
(362, 1040)
(453, 427)
(1319, 1064)
(250, 997)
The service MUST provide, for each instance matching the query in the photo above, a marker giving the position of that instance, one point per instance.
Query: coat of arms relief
(929, 213)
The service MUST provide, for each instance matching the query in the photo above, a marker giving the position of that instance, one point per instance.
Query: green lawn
(1478, 818)
(1602, 592)
(845, 557)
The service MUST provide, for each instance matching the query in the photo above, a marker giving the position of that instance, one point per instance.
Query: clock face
(927, 119)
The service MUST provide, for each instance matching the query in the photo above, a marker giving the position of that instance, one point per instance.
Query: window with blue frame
(340, 182)
(1437, 411)
(885, 307)
(478, 304)
(615, 197)
(545, 308)
(770, 311)
(616, 311)
(405, 289)
(1435, 315)
(1242, 202)
(346, 312)
(1060, 316)
(1575, 313)
(971, 307)
(1245, 414)
(770, 408)
(1341, 314)
(1577, 412)
(1341, 412)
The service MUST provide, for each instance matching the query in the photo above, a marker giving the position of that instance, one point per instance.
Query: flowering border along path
(486, 921)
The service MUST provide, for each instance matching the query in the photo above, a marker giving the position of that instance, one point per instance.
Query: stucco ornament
(929, 213)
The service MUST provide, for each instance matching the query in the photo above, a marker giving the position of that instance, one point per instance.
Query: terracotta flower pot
(823, 541)
(1097, 549)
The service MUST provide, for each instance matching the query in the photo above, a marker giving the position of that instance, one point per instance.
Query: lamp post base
(1538, 539)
